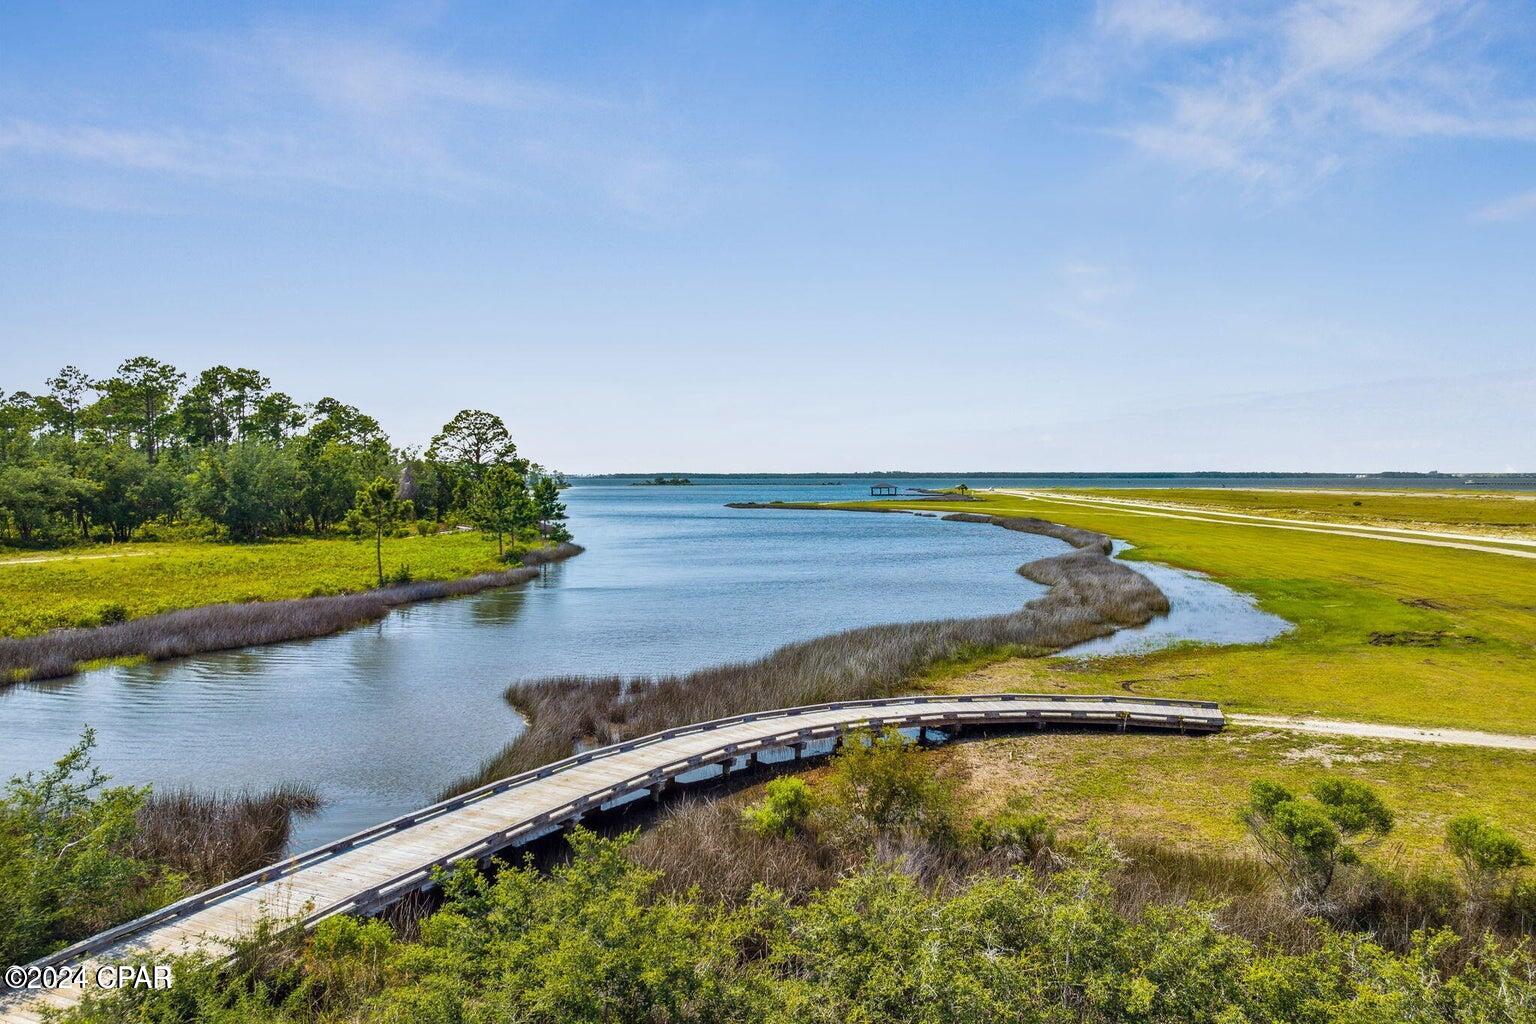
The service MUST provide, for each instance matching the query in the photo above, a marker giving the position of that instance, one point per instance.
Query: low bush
(604, 939)
(1307, 841)
(64, 869)
(881, 785)
(784, 809)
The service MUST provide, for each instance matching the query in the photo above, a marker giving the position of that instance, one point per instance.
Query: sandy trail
(71, 558)
(1369, 730)
(1399, 535)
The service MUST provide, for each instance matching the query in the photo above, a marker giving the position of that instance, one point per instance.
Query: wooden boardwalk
(369, 870)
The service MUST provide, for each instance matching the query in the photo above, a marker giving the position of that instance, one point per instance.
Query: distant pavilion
(882, 491)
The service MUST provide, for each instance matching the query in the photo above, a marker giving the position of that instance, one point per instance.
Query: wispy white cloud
(1091, 294)
(364, 110)
(1512, 208)
(1158, 20)
(1280, 97)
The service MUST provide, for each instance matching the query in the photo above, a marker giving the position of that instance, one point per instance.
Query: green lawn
(42, 592)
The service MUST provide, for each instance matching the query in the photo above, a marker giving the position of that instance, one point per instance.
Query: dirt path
(1368, 730)
(71, 558)
(1399, 535)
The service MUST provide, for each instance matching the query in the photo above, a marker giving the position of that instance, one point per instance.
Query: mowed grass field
(42, 592)
(1493, 513)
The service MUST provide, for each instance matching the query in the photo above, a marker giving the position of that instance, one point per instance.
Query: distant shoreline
(1432, 481)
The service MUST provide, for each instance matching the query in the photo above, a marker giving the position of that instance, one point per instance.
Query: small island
(664, 481)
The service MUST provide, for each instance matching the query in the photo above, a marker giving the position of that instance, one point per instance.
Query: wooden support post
(922, 736)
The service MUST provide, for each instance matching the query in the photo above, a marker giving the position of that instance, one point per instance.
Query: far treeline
(144, 454)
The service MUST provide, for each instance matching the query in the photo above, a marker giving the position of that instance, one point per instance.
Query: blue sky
(1138, 234)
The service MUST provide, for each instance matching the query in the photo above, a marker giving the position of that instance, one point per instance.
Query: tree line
(149, 451)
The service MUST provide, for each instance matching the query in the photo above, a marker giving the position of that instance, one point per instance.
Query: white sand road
(71, 558)
(1373, 731)
(1514, 547)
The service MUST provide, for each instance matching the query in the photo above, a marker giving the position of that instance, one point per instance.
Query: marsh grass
(219, 627)
(1090, 595)
(700, 845)
(213, 837)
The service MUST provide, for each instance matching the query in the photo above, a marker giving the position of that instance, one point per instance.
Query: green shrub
(883, 784)
(62, 875)
(1306, 841)
(783, 810)
(1017, 830)
(1489, 854)
(111, 614)
(597, 939)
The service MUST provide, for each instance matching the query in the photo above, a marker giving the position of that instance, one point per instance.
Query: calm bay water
(382, 717)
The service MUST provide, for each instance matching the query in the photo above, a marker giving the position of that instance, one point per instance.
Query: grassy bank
(89, 587)
(220, 627)
(208, 838)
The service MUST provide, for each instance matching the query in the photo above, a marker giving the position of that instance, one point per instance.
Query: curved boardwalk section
(371, 869)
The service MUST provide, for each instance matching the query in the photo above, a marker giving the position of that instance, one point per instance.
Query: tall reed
(213, 837)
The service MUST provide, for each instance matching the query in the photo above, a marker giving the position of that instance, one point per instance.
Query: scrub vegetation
(874, 897)
(78, 855)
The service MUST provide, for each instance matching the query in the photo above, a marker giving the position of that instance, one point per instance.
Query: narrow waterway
(381, 717)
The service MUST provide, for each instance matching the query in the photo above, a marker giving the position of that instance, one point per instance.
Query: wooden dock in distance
(369, 870)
